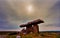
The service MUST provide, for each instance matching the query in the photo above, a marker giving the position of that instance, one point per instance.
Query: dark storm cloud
(55, 11)
(54, 15)
(4, 16)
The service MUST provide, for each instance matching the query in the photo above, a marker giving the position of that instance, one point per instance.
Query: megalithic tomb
(32, 26)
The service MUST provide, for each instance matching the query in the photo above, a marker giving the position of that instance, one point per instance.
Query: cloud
(13, 13)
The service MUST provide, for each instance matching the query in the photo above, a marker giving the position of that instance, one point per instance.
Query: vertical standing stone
(29, 29)
(35, 28)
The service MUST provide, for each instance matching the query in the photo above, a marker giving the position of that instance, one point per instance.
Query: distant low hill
(42, 34)
(15, 32)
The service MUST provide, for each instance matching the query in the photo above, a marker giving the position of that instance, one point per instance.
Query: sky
(13, 13)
